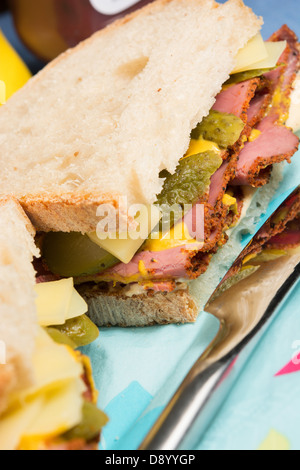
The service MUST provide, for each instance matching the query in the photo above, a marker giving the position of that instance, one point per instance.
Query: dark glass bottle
(48, 27)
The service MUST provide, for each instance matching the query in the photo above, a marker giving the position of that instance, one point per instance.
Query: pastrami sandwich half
(47, 394)
(181, 104)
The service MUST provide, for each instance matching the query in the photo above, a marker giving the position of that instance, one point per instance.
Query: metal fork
(257, 301)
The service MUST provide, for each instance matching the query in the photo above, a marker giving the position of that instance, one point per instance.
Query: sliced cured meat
(290, 238)
(275, 144)
(236, 98)
(283, 77)
(258, 106)
(218, 184)
(166, 264)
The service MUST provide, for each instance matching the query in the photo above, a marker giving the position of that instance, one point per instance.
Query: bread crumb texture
(109, 115)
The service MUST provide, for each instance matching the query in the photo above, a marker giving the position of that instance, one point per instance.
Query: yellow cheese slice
(13, 72)
(14, 423)
(254, 51)
(53, 405)
(125, 249)
(77, 307)
(274, 50)
(53, 365)
(53, 301)
(61, 411)
(2, 92)
(58, 302)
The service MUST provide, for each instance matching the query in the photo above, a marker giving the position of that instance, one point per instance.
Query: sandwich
(47, 394)
(169, 123)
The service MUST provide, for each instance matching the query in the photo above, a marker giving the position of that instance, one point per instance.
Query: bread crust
(159, 308)
(10, 199)
(75, 210)
(71, 212)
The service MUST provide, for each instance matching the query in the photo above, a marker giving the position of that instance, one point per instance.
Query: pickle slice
(222, 128)
(189, 182)
(81, 331)
(74, 254)
(242, 76)
(60, 338)
(93, 420)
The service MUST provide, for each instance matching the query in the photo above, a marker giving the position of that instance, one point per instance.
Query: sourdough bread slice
(106, 117)
(18, 320)
(117, 308)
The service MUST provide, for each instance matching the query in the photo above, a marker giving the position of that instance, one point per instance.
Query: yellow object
(278, 100)
(2, 92)
(78, 306)
(126, 245)
(62, 410)
(142, 268)
(274, 50)
(201, 145)
(255, 133)
(52, 406)
(269, 255)
(258, 54)
(53, 301)
(178, 236)
(53, 364)
(254, 51)
(230, 201)
(13, 71)
(14, 423)
(249, 257)
(58, 302)
(275, 441)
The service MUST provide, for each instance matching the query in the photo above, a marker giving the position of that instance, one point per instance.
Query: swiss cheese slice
(274, 50)
(53, 405)
(61, 411)
(14, 423)
(58, 301)
(125, 246)
(53, 301)
(254, 51)
(259, 54)
(78, 306)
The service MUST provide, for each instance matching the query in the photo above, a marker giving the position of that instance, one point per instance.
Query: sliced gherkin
(93, 420)
(242, 76)
(222, 128)
(74, 254)
(81, 330)
(190, 181)
(60, 338)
